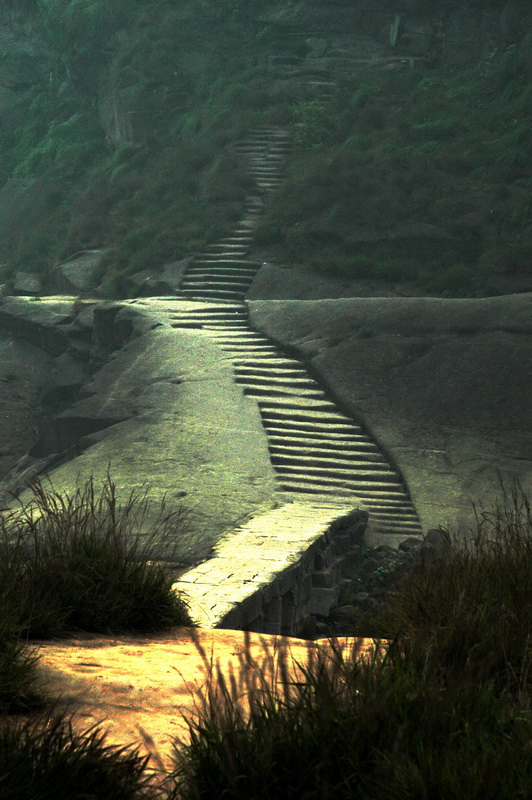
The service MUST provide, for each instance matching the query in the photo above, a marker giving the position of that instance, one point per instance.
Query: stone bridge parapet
(276, 571)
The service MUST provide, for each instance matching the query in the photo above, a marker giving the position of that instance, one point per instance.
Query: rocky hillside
(411, 125)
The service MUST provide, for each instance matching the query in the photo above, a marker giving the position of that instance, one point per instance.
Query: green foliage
(186, 77)
(312, 124)
(79, 563)
(442, 710)
(18, 673)
(44, 758)
(189, 78)
(405, 148)
(77, 140)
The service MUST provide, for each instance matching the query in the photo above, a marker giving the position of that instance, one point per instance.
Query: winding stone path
(315, 449)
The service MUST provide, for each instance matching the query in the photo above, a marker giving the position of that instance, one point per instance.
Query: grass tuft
(443, 712)
(85, 562)
(43, 758)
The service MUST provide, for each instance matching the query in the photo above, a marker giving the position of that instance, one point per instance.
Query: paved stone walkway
(320, 454)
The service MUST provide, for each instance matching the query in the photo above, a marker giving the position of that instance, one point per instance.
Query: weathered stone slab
(259, 565)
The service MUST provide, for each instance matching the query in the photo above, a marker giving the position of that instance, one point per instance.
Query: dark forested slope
(414, 166)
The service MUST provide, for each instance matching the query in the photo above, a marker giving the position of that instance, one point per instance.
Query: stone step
(297, 380)
(365, 473)
(317, 423)
(225, 282)
(274, 382)
(209, 294)
(263, 372)
(330, 456)
(218, 245)
(227, 325)
(211, 308)
(207, 259)
(234, 239)
(229, 262)
(199, 323)
(264, 140)
(225, 249)
(216, 278)
(262, 147)
(406, 515)
(222, 272)
(261, 177)
(238, 350)
(284, 439)
(389, 505)
(286, 408)
(315, 394)
(219, 268)
(402, 527)
(239, 334)
(219, 259)
(319, 463)
(316, 486)
(216, 317)
(245, 343)
(244, 357)
(264, 169)
(266, 364)
(271, 160)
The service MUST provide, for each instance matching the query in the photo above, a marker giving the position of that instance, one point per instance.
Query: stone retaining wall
(277, 571)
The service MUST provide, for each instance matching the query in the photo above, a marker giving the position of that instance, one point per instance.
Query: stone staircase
(221, 271)
(316, 450)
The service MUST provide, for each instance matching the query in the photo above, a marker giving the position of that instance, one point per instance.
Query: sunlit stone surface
(143, 690)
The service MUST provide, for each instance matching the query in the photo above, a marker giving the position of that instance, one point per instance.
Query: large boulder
(81, 274)
(27, 283)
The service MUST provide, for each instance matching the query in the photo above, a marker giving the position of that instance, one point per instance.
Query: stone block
(322, 579)
(252, 606)
(272, 616)
(270, 590)
(306, 587)
(320, 561)
(342, 543)
(235, 619)
(322, 600)
(288, 579)
(27, 283)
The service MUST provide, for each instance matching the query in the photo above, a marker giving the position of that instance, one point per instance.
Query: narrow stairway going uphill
(316, 450)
